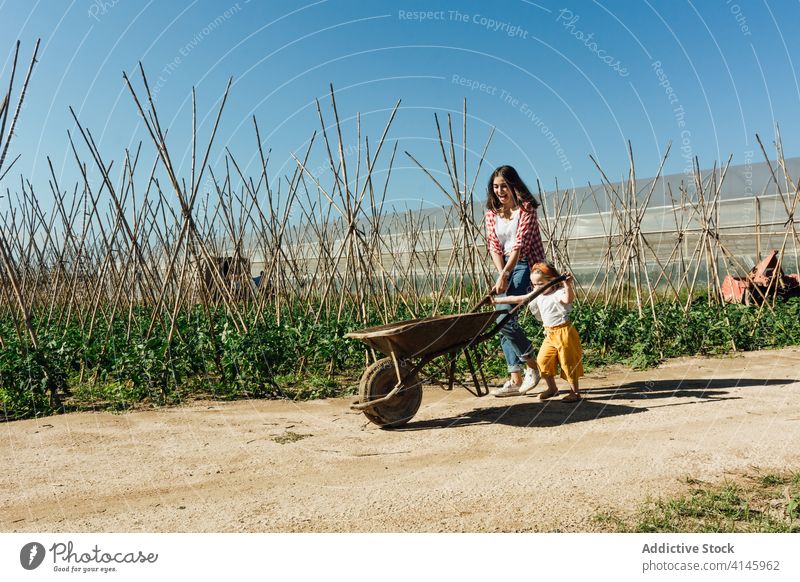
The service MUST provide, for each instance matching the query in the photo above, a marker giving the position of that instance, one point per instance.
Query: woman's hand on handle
(501, 286)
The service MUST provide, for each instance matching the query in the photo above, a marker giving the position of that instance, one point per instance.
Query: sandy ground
(462, 464)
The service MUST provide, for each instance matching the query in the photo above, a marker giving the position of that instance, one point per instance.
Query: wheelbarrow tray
(426, 336)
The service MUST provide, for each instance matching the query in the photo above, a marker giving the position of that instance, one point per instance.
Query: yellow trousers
(563, 346)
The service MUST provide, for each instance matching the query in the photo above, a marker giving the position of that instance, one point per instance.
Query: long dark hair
(522, 196)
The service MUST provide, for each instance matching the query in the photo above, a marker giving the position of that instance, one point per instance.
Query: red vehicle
(765, 278)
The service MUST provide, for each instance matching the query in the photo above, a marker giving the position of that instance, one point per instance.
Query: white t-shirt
(506, 231)
(549, 310)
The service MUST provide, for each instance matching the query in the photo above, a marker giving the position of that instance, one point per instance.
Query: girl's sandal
(571, 397)
(547, 394)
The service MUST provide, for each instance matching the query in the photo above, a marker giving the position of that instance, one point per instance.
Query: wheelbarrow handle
(482, 302)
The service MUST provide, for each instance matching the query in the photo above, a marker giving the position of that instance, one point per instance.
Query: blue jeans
(516, 346)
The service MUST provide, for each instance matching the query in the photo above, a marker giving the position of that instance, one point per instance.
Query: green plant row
(117, 367)
(612, 334)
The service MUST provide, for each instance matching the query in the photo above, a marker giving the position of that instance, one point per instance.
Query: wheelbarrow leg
(451, 373)
(484, 385)
(479, 390)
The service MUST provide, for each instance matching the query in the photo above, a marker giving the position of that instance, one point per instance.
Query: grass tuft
(765, 503)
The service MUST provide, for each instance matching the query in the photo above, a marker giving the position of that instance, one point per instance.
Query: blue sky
(559, 81)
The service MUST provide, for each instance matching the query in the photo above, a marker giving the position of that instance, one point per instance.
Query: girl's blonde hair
(546, 270)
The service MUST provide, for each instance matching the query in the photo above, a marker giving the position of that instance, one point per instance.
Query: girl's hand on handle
(569, 290)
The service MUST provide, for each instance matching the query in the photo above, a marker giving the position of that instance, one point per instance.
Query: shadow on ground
(680, 388)
(535, 413)
(532, 414)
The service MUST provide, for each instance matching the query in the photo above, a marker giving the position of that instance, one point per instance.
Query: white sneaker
(530, 381)
(508, 389)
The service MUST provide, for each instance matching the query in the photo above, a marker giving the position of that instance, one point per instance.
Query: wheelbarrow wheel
(376, 382)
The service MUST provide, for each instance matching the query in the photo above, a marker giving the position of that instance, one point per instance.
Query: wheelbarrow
(390, 390)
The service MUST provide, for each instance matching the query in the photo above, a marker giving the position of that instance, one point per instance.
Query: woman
(514, 241)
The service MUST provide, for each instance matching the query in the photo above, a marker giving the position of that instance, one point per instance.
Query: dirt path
(462, 464)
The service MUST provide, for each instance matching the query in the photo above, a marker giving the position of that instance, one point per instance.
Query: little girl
(561, 343)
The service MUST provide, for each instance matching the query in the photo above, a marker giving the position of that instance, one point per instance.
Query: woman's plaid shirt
(528, 239)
